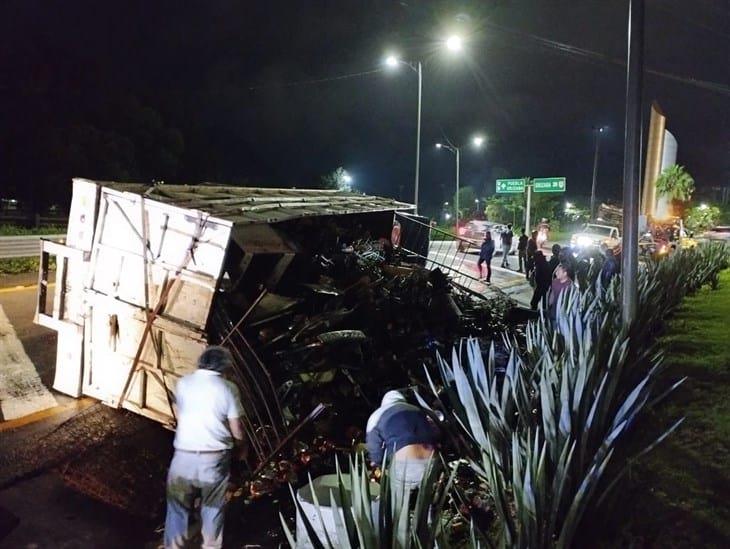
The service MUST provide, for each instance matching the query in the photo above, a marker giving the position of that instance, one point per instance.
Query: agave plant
(401, 521)
(546, 431)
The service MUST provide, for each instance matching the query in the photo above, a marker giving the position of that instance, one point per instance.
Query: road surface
(510, 281)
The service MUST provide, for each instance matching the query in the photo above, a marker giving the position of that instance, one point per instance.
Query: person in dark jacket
(406, 434)
(522, 251)
(543, 278)
(610, 267)
(530, 254)
(554, 259)
(485, 256)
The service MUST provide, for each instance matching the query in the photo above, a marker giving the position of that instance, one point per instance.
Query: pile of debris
(361, 323)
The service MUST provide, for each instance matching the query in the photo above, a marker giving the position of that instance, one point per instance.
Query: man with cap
(406, 434)
(209, 426)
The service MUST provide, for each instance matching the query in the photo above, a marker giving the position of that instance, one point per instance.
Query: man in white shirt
(209, 425)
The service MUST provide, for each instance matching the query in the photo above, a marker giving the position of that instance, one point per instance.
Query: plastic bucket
(322, 487)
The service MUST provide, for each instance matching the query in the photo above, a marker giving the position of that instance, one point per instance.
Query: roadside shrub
(546, 429)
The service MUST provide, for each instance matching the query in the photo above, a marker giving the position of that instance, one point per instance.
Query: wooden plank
(279, 270)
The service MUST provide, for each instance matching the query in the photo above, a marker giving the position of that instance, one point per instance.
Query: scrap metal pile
(362, 321)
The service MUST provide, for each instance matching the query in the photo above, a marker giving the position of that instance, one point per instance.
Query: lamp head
(454, 43)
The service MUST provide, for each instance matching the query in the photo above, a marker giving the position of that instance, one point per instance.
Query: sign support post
(527, 210)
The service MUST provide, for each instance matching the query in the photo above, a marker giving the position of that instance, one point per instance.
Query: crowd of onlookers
(548, 277)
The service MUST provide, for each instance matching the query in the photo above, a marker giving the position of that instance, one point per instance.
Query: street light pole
(596, 146)
(457, 189)
(632, 144)
(418, 136)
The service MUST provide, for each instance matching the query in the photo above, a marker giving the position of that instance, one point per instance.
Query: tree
(505, 209)
(467, 196)
(702, 217)
(676, 183)
(339, 179)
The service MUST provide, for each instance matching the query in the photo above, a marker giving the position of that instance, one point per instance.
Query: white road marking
(21, 390)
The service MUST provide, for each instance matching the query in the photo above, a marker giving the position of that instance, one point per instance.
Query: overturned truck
(140, 279)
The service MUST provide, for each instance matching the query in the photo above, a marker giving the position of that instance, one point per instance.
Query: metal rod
(596, 146)
(418, 136)
(632, 145)
(456, 198)
(312, 415)
(245, 315)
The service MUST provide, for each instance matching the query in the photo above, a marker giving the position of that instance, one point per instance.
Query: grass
(15, 230)
(679, 494)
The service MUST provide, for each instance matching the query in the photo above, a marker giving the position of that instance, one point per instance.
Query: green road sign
(548, 184)
(511, 185)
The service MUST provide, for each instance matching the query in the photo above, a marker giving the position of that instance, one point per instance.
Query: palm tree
(677, 185)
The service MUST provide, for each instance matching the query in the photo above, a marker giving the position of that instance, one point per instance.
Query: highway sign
(549, 184)
(511, 185)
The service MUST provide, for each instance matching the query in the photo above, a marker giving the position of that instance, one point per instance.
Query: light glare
(478, 141)
(454, 43)
(391, 61)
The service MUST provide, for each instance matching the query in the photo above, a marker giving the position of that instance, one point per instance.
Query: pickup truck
(593, 235)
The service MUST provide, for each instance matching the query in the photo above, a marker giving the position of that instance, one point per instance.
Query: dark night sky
(144, 90)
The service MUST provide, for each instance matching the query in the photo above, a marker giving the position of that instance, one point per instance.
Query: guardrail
(25, 245)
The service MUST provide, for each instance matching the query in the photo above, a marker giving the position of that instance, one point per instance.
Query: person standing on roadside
(209, 426)
(543, 278)
(554, 259)
(530, 254)
(485, 256)
(506, 238)
(563, 280)
(522, 251)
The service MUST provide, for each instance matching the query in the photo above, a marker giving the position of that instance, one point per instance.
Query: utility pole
(418, 135)
(528, 206)
(457, 189)
(597, 131)
(632, 168)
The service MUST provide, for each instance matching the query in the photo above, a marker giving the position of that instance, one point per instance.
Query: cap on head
(215, 358)
(391, 397)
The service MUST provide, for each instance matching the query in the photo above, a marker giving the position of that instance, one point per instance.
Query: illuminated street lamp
(454, 44)
(476, 141)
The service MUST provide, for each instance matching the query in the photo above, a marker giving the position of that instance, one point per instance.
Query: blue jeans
(192, 475)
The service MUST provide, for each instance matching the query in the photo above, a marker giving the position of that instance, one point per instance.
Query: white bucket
(322, 487)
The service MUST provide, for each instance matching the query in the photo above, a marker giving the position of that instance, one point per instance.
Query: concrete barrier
(25, 245)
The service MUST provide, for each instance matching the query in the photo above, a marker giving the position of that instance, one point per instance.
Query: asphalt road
(37, 508)
(18, 302)
(509, 280)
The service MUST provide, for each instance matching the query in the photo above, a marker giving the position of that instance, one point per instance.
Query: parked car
(721, 232)
(472, 236)
(593, 235)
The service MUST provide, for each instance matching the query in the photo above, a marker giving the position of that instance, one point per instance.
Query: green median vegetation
(679, 494)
